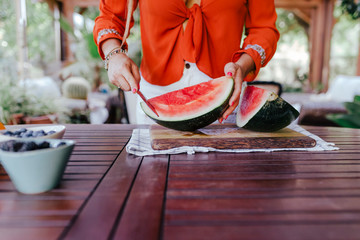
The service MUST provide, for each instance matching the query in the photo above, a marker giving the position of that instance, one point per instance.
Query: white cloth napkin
(140, 145)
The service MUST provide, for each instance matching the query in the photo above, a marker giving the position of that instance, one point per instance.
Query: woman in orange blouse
(205, 35)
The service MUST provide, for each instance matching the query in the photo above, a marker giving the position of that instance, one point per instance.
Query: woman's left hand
(237, 71)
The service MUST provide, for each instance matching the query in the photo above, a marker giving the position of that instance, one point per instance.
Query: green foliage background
(40, 33)
(40, 37)
(352, 118)
(41, 42)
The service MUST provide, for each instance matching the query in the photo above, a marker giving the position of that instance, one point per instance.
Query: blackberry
(7, 146)
(39, 134)
(8, 133)
(16, 146)
(44, 145)
(61, 144)
(22, 130)
(17, 133)
(22, 134)
(25, 133)
(28, 146)
(11, 146)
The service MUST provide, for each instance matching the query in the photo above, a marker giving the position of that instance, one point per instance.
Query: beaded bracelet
(116, 50)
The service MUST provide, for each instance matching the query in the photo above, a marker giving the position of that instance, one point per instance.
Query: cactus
(76, 87)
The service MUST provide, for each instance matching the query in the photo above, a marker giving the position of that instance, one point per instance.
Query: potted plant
(17, 106)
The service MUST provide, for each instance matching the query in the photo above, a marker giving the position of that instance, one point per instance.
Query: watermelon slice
(264, 111)
(192, 107)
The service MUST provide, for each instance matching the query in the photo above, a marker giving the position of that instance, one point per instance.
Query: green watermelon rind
(274, 115)
(193, 123)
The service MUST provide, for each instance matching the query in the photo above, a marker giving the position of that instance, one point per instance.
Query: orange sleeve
(111, 21)
(261, 34)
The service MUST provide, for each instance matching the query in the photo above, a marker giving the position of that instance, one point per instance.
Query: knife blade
(147, 102)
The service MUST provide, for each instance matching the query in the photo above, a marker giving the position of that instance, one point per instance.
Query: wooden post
(57, 30)
(358, 64)
(320, 40)
(21, 22)
(315, 47)
(68, 11)
(55, 7)
(321, 24)
(328, 17)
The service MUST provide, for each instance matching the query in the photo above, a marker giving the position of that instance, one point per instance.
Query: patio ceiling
(316, 16)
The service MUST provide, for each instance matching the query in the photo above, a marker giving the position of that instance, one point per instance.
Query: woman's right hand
(123, 72)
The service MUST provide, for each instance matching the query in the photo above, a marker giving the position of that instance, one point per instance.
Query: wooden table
(109, 194)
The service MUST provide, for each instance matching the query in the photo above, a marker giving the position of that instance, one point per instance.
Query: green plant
(88, 63)
(352, 118)
(352, 8)
(14, 99)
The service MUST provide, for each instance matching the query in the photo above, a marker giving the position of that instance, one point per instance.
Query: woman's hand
(123, 72)
(237, 71)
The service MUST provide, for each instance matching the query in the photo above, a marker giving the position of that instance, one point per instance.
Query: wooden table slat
(145, 203)
(106, 193)
(96, 219)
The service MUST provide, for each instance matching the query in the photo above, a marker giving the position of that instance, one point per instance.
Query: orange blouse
(211, 39)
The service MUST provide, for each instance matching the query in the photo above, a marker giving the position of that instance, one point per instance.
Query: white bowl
(59, 132)
(39, 170)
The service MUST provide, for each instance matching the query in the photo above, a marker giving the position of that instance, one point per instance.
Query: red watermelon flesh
(192, 107)
(193, 100)
(253, 98)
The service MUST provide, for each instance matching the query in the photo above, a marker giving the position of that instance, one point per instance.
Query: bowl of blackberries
(42, 131)
(35, 165)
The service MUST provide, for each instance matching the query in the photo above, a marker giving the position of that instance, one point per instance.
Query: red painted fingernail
(229, 74)
(220, 121)
(134, 90)
(226, 117)
(231, 104)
